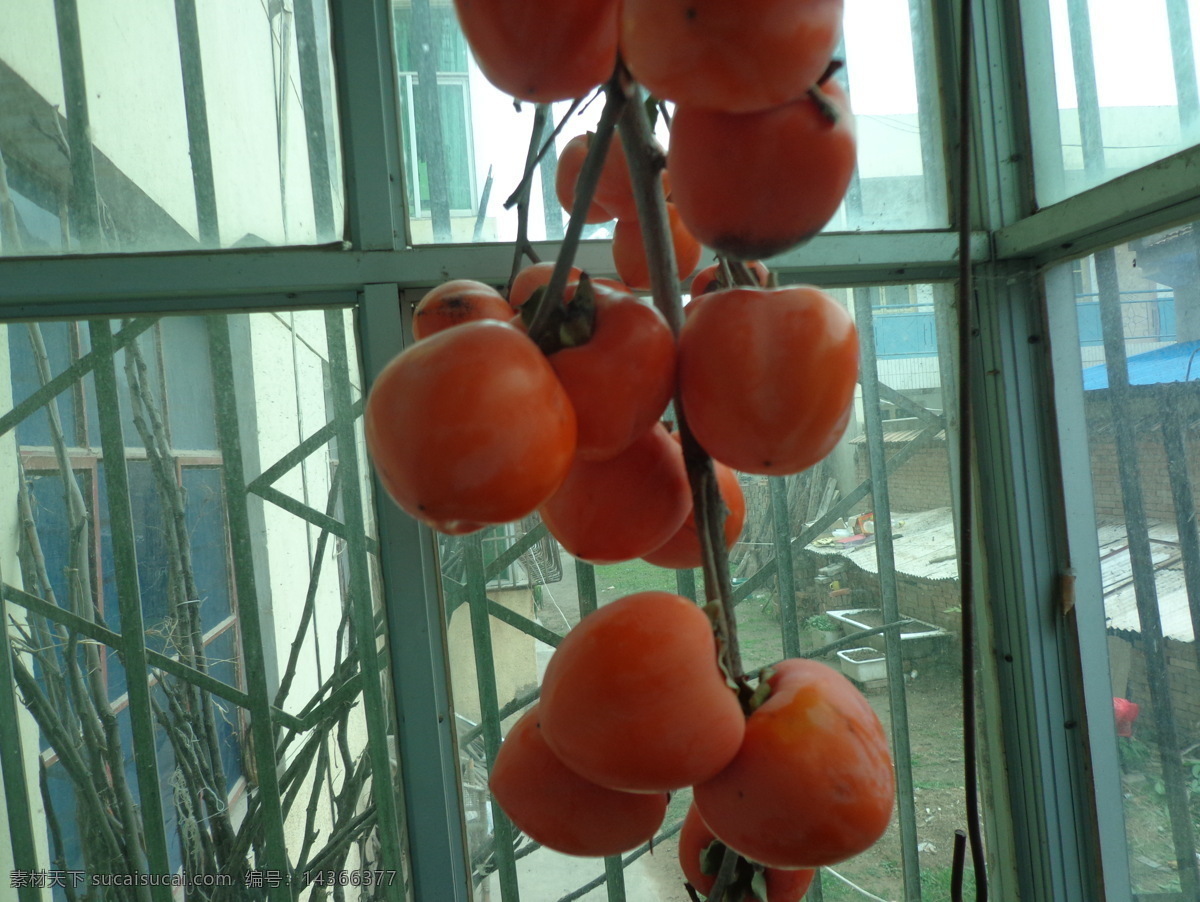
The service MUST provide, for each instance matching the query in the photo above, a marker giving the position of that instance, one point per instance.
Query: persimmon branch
(616, 95)
(646, 161)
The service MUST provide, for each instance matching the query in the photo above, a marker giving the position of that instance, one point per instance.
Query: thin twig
(616, 97)
(89, 688)
(60, 862)
(522, 247)
(185, 593)
(531, 164)
(310, 597)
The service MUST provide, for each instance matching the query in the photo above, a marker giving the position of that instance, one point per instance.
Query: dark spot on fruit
(690, 12)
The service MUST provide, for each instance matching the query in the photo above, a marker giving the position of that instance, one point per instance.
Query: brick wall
(1184, 680)
(1152, 462)
(920, 484)
(1146, 409)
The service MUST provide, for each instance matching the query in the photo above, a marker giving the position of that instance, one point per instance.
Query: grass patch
(617, 580)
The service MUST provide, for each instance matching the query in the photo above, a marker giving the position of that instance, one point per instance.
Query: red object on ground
(1126, 713)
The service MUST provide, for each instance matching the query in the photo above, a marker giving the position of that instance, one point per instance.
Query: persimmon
(570, 164)
(470, 427)
(455, 302)
(700, 856)
(618, 509)
(556, 807)
(751, 185)
(633, 698)
(621, 378)
(682, 550)
(542, 50)
(708, 279)
(736, 57)
(767, 376)
(533, 277)
(812, 783)
(629, 253)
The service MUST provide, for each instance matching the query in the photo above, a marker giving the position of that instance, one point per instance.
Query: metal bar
(71, 375)
(12, 766)
(685, 583)
(1140, 557)
(317, 518)
(1183, 60)
(260, 278)
(784, 568)
(416, 618)
(1038, 695)
(195, 108)
(249, 618)
(489, 706)
(366, 86)
(312, 101)
(154, 659)
(1041, 99)
(84, 203)
(1087, 94)
(427, 110)
(929, 120)
(1160, 195)
(457, 592)
(524, 624)
(1173, 418)
(614, 878)
(129, 598)
(886, 558)
(367, 648)
(585, 585)
(318, 439)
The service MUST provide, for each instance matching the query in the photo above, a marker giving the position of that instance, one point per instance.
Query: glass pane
(1124, 88)
(889, 73)
(842, 582)
(1138, 309)
(288, 641)
(166, 127)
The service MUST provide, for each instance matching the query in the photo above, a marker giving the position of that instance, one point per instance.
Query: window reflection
(1124, 88)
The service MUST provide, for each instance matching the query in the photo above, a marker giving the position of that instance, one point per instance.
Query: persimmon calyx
(828, 109)
(568, 325)
(762, 691)
(749, 878)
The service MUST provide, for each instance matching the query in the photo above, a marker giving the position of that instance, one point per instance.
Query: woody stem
(646, 161)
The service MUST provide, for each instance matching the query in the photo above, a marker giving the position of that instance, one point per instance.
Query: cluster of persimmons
(515, 402)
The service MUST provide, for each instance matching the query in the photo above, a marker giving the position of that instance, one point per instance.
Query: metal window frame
(1050, 784)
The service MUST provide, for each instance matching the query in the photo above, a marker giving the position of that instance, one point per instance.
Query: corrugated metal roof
(901, 437)
(1120, 601)
(925, 547)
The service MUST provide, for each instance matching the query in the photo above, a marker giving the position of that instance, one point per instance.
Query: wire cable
(966, 330)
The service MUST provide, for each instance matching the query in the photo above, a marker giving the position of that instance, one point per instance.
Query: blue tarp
(1174, 363)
